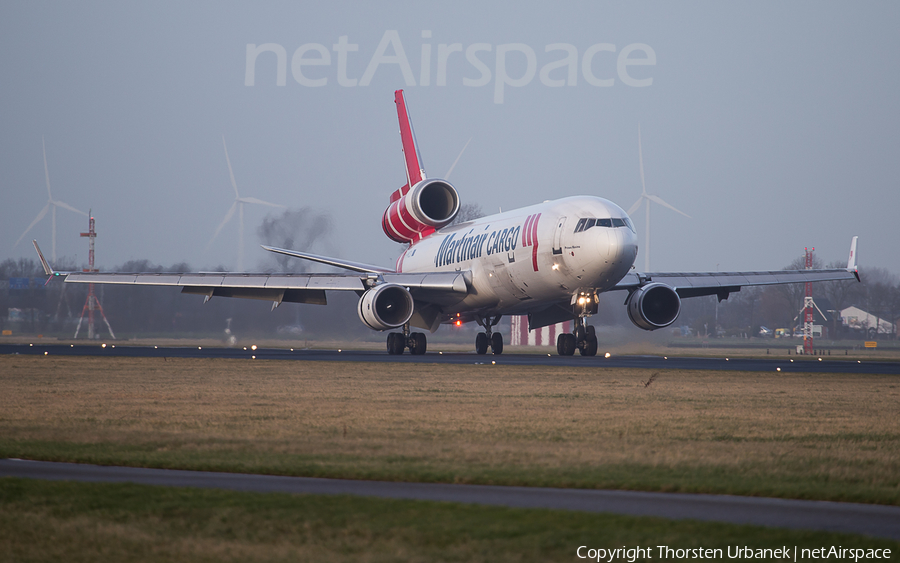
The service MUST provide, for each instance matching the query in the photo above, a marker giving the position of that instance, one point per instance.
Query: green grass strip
(62, 521)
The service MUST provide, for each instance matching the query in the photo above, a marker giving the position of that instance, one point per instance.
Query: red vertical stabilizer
(420, 206)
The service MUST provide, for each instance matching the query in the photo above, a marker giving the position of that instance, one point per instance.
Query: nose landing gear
(584, 339)
(398, 342)
(487, 338)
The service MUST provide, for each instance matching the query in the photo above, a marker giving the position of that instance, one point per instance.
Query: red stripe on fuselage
(534, 241)
(526, 240)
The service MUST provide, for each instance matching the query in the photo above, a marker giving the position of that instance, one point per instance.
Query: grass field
(817, 436)
(799, 436)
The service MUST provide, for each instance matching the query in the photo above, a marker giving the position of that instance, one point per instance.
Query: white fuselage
(523, 259)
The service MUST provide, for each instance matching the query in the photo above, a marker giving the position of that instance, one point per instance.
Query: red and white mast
(808, 305)
(91, 303)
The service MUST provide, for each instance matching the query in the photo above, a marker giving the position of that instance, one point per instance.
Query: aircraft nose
(621, 248)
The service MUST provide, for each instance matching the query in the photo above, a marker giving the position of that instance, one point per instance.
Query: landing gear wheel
(481, 343)
(565, 344)
(579, 334)
(497, 343)
(590, 346)
(417, 344)
(395, 343)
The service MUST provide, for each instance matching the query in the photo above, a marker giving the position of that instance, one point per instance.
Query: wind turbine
(239, 206)
(646, 199)
(51, 205)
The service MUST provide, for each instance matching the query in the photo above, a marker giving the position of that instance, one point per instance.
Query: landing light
(555, 267)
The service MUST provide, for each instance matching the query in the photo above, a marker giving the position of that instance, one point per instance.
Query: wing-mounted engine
(416, 213)
(385, 306)
(653, 306)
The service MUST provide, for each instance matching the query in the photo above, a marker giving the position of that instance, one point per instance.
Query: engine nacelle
(653, 306)
(385, 306)
(429, 205)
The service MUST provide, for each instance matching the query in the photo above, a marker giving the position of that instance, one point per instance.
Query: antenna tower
(91, 303)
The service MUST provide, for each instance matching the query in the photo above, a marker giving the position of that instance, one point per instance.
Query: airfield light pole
(808, 305)
(91, 303)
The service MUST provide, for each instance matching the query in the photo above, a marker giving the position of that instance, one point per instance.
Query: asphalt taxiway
(873, 520)
(827, 364)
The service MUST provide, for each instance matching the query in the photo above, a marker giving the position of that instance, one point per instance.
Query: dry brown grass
(447, 418)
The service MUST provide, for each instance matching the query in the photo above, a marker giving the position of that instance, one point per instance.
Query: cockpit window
(585, 224)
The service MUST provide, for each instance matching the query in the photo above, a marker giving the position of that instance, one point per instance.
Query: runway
(873, 520)
(828, 364)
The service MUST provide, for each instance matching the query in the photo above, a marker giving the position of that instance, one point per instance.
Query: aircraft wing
(724, 283)
(292, 288)
(440, 288)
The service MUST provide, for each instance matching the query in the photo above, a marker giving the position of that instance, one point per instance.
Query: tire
(418, 343)
(579, 334)
(481, 343)
(565, 344)
(390, 342)
(396, 343)
(590, 346)
(497, 343)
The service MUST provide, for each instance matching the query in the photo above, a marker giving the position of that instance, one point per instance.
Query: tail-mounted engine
(653, 306)
(385, 306)
(416, 213)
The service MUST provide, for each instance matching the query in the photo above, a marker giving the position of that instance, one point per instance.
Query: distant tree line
(779, 306)
(146, 311)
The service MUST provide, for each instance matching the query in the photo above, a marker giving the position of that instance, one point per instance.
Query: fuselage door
(557, 236)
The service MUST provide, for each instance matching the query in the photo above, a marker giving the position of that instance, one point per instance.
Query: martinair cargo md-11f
(549, 261)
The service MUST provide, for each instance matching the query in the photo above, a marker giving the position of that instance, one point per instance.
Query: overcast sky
(773, 125)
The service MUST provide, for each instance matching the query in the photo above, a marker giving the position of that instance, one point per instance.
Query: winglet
(415, 172)
(852, 265)
(47, 269)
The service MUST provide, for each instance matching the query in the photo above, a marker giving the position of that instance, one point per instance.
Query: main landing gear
(487, 338)
(584, 339)
(397, 342)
